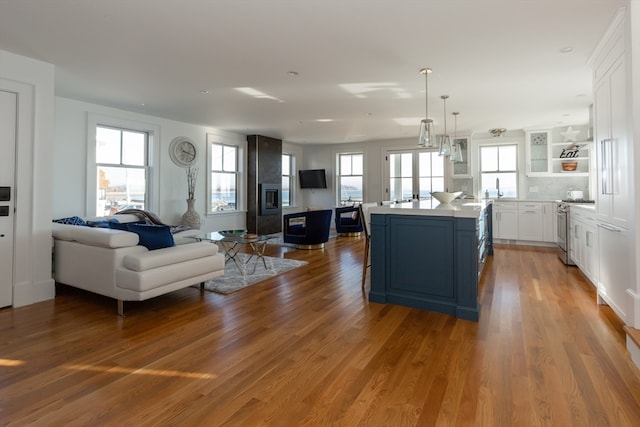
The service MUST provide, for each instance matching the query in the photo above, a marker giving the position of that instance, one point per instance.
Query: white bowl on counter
(445, 196)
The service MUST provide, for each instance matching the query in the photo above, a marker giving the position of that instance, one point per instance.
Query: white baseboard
(30, 293)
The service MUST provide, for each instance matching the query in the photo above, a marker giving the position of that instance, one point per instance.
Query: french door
(414, 173)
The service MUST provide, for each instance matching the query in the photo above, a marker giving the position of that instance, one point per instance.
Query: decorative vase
(191, 218)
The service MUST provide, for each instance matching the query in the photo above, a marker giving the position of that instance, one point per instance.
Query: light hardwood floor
(307, 348)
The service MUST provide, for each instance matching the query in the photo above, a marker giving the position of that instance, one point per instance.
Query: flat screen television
(312, 178)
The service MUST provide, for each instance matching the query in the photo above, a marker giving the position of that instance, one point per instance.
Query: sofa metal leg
(121, 308)
(201, 286)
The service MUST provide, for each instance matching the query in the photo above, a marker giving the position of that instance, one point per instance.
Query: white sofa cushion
(148, 280)
(104, 237)
(168, 256)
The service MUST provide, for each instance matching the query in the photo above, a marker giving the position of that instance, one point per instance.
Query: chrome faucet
(498, 188)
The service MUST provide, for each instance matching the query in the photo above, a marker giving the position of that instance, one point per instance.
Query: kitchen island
(429, 255)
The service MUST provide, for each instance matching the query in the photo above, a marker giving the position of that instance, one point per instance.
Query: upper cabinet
(558, 151)
(462, 169)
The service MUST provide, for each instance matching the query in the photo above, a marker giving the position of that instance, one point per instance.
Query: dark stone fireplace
(264, 185)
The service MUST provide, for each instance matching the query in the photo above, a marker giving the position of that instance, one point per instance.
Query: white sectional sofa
(110, 262)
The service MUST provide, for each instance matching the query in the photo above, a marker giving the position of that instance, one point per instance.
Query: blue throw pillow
(72, 220)
(124, 226)
(98, 224)
(152, 236)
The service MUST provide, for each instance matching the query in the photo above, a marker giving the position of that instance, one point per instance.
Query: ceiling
(320, 71)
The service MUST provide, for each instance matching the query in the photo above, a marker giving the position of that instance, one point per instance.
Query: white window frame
(516, 171)
(338, 189)
(415, 153)
(216, 139)
(153, 159)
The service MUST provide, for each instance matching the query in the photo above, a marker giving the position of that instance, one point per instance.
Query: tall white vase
(191, 218)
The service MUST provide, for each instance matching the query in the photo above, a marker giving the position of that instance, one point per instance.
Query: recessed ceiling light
(292, 73)
(566, 49)
(204, 92)
(324, 120)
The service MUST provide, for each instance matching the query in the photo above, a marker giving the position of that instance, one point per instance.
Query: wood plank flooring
(307, 349)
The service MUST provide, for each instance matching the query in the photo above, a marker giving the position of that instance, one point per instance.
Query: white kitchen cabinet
(584, 241)
(538, 143)
(614, 157)
(546, 151)
(530, 225)
(611, 140)
(614, 278)
(505, 220)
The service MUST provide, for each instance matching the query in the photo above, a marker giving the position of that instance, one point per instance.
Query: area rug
(234, 280)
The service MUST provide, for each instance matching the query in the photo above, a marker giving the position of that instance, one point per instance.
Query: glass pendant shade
(456, 155)
(445, 146)
(426, 138)
(445, 141)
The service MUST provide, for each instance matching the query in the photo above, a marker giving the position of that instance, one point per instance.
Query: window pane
(507, 158)
(395, 188)
(437, 165)
(407, 165)
(229, 159)
(216, 157)
(425, 187)
(394, 165)
(120, 188)
(351, 188)
(223, 194)
(345, 164)
(286, 163)
(489, 158)
(424, 163)
(407, 189)
(107, 145)
(508, 184)
(437, 184)
(357, 164)
(286, 201)
(133, 148)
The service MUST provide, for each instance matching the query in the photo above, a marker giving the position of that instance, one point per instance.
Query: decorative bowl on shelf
(445, 196)
(569, 166)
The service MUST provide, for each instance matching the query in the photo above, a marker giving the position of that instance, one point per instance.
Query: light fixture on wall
(426, 138)
(445, 141)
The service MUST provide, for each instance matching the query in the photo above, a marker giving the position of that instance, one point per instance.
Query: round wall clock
(183, 151)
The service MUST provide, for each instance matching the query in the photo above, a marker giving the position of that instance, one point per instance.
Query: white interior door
(8, 108)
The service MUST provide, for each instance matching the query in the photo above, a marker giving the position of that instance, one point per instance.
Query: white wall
(34, 82)
(70, 175)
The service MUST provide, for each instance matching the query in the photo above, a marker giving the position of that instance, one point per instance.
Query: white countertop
(465, 208)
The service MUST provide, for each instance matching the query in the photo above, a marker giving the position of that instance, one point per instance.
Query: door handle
(610, 228)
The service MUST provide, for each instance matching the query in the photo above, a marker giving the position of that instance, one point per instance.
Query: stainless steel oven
(564, 238)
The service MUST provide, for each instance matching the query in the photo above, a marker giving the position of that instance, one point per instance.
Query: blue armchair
(307, 230)
(348, 221)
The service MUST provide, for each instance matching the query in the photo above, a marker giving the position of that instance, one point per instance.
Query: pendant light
(445, 141)
(456, 155)
(426, 138)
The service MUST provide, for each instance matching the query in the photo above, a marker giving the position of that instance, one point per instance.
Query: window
(287, 180)
(122, 169)
(404, 183)
(224, 177)
(499, 170)
(350, 178)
